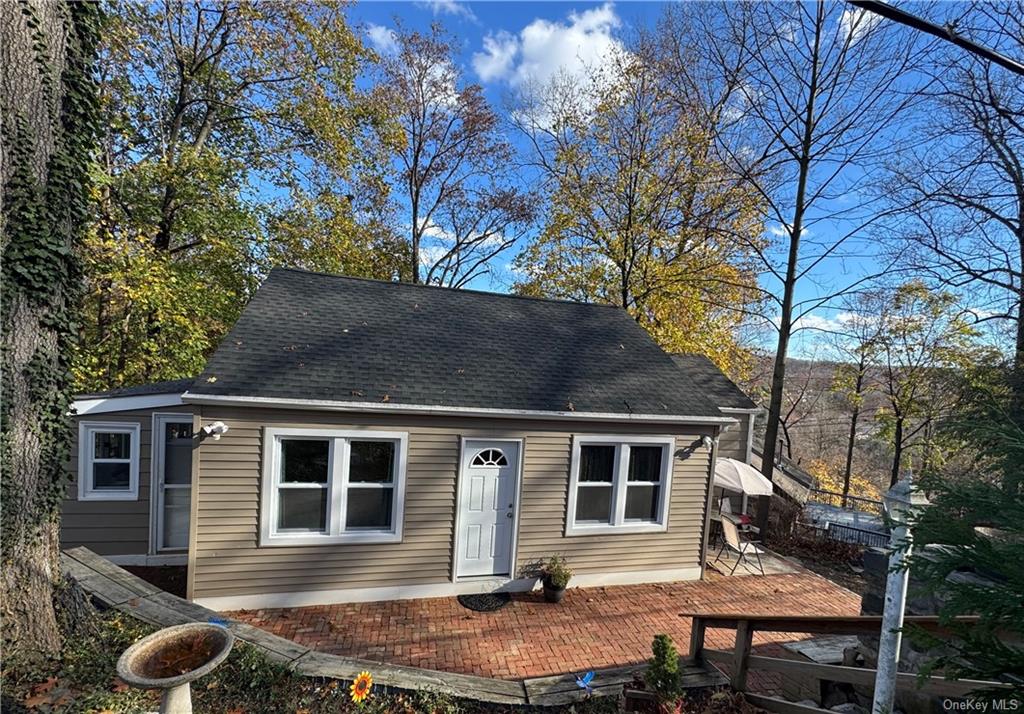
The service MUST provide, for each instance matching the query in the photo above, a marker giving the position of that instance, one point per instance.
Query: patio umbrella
(733, 475)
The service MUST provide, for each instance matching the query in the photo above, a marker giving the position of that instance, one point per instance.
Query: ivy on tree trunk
(48, 102)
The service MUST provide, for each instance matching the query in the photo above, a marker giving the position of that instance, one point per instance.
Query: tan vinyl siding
(227, 560)
(543, 513)
(112, 527)
(732, 444)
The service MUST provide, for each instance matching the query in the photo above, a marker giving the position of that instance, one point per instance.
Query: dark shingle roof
(174, 386)
(712, 382)
(325, 337)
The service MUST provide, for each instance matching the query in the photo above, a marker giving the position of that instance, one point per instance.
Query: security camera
(216, 429)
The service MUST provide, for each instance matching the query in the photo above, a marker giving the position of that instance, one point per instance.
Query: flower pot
(171, 658)
(553, 594)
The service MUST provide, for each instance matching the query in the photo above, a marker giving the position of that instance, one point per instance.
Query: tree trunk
(1013, 477)
(789, 284)
(852, 437)
(48, 99)
(897, 457)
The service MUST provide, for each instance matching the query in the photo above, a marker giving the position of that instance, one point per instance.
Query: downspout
(193, 523)
(708, 493)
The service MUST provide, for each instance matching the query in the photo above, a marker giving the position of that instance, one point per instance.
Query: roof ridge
(473, 291)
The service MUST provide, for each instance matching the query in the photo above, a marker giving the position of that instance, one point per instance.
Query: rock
(835, 695)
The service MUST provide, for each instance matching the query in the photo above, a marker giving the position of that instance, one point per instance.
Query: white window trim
(338, 457)
(619, 479)
(86, 449)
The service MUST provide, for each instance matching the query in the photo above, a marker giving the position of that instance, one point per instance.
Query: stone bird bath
(171, 658)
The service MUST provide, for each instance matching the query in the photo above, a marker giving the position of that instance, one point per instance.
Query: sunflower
(361, 686)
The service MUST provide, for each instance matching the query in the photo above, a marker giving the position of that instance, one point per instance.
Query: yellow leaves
(830, 478)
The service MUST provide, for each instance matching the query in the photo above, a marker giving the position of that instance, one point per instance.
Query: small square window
(108, 461)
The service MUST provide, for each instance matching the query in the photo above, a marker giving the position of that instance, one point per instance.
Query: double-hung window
(330, 486)
(619, 484)
(108, 461)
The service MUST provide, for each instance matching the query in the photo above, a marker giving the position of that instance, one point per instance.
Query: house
(356, 440)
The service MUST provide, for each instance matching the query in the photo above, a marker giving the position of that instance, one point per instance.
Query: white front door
(172, 480)
(487, 507)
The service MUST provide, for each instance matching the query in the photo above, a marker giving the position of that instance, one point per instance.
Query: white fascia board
(737, 410)
(103, 405)
(384, 408)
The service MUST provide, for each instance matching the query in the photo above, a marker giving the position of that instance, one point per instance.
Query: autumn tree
(48, 116)
(855, 344)
(640, 214)
(451, 173)
(232, 143)
(923, 343)
(814, 92)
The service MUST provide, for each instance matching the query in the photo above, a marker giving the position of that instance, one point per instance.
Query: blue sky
(500, 44)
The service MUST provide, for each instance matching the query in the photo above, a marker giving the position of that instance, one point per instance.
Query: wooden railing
(740, 659)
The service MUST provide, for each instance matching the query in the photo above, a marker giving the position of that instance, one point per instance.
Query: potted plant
(555, 576)
(661, 690)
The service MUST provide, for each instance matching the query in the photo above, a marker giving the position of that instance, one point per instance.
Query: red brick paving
(591, 628)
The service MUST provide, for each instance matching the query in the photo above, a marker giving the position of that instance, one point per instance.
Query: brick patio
(591, 628)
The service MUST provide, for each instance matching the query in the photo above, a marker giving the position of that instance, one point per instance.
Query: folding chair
(731, 535)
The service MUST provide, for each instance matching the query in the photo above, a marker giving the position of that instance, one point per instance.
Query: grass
(83, 679)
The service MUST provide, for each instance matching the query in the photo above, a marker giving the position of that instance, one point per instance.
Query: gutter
(387, 408)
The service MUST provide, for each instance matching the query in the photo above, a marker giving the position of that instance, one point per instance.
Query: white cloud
(840, 322)
(857, 23)
(780, 231)
(544, 49)
(431, 255)
(498, 58)
(382, 38)
(433, 231)
(449, 7)
(817, 322)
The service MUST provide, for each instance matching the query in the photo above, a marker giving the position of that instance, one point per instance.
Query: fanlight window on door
(490, 457)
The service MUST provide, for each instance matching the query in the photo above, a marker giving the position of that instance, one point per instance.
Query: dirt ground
(171, 578)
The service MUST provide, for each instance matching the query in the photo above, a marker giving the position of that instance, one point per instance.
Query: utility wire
(947, 33)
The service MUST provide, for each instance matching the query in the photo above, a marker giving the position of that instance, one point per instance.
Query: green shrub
(663, 672)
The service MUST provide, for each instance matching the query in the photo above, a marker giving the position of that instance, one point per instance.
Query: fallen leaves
(48, 694)
(119, 686)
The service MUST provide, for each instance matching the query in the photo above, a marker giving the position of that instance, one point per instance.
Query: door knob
(508, 515)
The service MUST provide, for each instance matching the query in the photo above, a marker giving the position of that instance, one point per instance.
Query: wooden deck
(119, 589)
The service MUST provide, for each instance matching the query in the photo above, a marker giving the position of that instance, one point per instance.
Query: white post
(899, 502)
